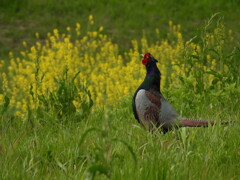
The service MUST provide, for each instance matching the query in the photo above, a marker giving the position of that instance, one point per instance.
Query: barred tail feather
(200, 123)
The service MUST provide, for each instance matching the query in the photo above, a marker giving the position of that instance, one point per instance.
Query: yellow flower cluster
(108, 75)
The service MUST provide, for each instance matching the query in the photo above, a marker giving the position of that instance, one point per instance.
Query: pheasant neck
(152, 79)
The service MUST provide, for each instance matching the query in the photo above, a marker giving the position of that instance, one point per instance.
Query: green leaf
(215, 81)
(86, 133)
(213, 50)
(194, 56)
(128, 147)
(5, 105)
(98, 168)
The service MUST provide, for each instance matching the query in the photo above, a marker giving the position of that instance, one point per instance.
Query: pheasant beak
(142, 55)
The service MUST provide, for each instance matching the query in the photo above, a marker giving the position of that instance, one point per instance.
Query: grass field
(110, 144)
(66, 90)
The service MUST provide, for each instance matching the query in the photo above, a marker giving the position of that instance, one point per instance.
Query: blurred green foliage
(123, 20)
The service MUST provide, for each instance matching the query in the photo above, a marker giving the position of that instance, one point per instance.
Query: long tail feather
(200, 123)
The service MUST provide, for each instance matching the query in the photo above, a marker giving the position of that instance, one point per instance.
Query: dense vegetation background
(67, 84)
(122, 20)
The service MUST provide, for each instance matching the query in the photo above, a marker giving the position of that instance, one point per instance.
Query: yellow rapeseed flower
(100, 28)
(109, 75)
(68, 29)
(37, 35)
(24, 43)
(90, 19)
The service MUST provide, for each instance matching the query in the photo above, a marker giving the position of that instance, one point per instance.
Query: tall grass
(110, 144)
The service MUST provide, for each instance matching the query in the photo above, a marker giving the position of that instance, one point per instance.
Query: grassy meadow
(68, 71)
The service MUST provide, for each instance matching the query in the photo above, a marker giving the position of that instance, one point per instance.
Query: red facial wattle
(146, 58)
